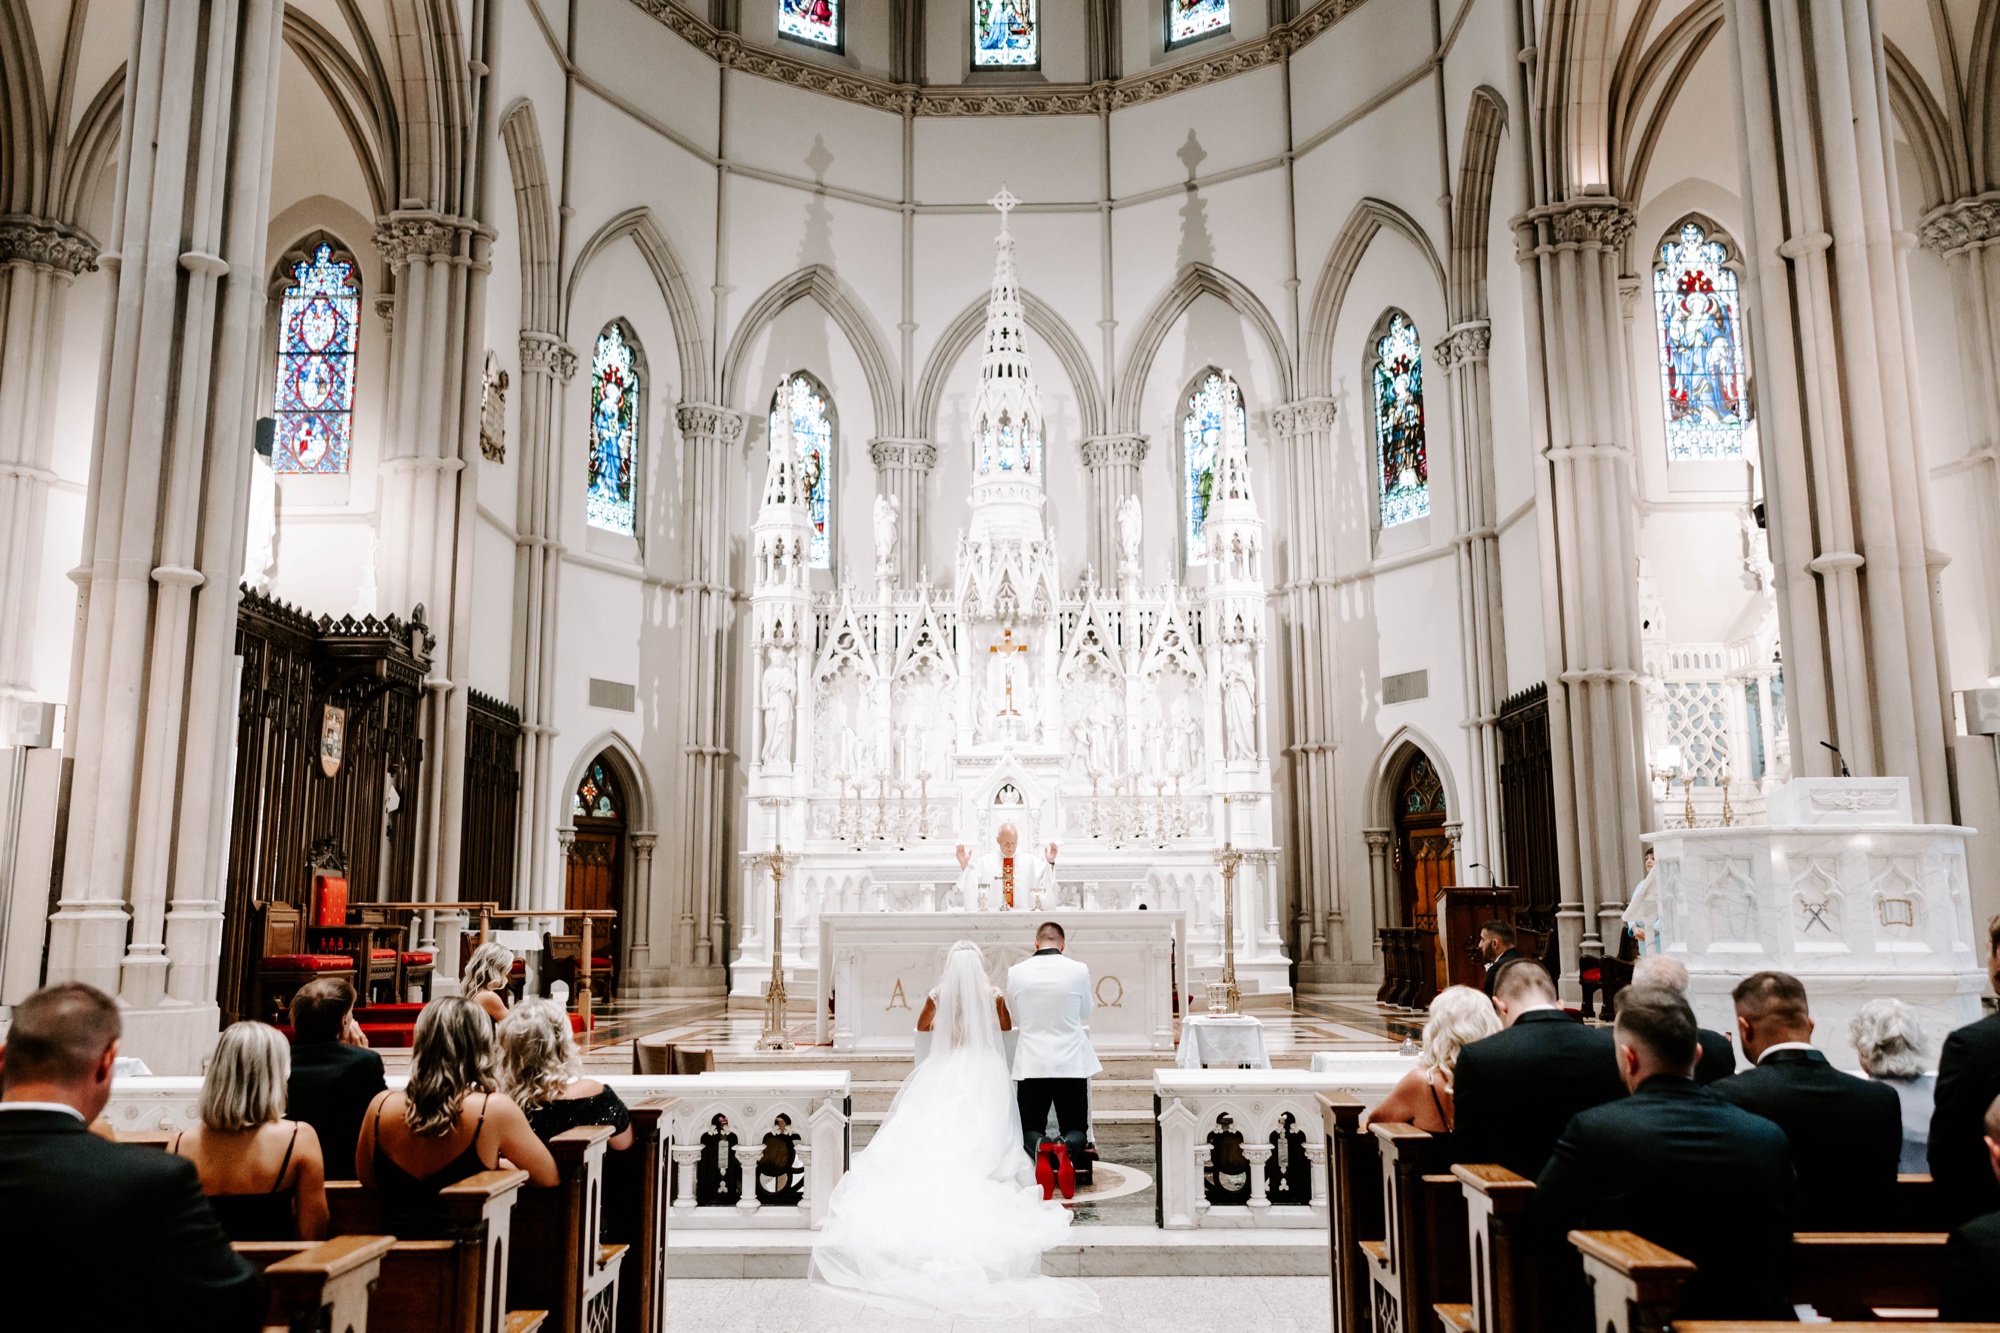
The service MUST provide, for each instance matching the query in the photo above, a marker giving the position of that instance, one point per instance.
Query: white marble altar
(1841, 889)
(896, 722)
(885, 963)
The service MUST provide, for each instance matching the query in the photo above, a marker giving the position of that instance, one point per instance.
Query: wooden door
(1424, 861)
(596, 873)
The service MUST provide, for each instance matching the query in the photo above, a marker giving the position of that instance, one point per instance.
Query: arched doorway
(595, 878)
(1424, 861)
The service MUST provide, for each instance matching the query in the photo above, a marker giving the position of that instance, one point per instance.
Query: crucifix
(1007, 645)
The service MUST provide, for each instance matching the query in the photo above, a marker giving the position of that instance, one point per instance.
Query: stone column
(152, 694)
(903, 472)
(1844, 481)
(547, 365)
(1311, 612)
(1112, 463)
(1378, 840)
(709, 436)
(38, 260)
(1461, 354)
(1571, 253)
(638, 923)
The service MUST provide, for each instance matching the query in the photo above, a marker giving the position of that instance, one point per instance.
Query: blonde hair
(451, 1055)
(537, 1053)
(245, 1083)
(490, 967)
(1460, 1016)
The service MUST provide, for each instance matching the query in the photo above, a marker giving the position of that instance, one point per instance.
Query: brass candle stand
(777, 1031)
(1223, 997)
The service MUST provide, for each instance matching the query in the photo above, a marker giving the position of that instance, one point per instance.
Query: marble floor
(1131, 1305)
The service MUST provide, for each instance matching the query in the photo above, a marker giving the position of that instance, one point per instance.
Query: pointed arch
(1575, 64)
(1939, 151)
(1194, 282)
(617, 441)
(1668, 63)
(1390, 764)
(430, 82)
(24, 114)
(92, 150)
(1485, 119)
(359, 100)
(1051, 327)
(1211, 390)
(640, 810)
(671, 275)
(1369, 217)
(818, 283)
(816, 434)
(533, 216)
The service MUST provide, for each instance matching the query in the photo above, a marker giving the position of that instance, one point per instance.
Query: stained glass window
(597, 795)
(1191, 19)
(1201, 438)
(1402, 465)
(315, 398)
(812, 432)
(1701, 347)
(610, 502)
(1005, 34)
(814, 21)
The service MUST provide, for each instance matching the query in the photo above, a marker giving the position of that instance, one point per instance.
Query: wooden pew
(635, 1213)
(323, 1286)
(1422, 1260)
(559, 1261)
(1354, 1208)
(1500, 1253)
(457, 1285)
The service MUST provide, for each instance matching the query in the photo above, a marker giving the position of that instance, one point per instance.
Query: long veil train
(939, 1215)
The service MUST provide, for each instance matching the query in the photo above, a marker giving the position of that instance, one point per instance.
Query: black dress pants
(1070, 1097)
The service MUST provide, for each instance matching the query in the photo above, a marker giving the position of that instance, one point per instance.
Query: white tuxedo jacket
(1049, 998)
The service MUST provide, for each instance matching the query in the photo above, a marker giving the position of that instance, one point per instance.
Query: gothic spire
(1007, 415)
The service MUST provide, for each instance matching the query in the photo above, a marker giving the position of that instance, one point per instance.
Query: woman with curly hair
(1460, 1016)
(486, 977)
(540, 1070)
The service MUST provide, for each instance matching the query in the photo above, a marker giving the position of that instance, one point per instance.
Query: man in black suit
(334, 1074)
(1679, 1166)
(1515, 1090)
(1971, 1288)
(1718, 1057)
(1846, 1132)
(119, 1233)
(1496, 950)
(1968, 1081)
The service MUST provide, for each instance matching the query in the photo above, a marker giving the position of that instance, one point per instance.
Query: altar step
(1093, 1251)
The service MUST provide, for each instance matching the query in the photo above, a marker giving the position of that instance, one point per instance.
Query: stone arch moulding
(364, 108)
(1193, 282)
(1051, 327)
(631, 772)
(817, 283)
(534, 219)
(1578, 44)
(1343, 261)
(1389, 767)
(682, 313)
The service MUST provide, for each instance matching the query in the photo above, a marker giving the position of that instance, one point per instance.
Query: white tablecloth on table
(1222, 1041)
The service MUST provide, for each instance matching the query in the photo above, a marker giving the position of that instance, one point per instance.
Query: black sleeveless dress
(266, 1216)
(411, 1208)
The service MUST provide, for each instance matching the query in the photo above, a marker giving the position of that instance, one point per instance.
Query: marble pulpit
(883, 964)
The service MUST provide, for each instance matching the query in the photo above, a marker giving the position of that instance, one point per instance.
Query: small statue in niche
(718, 1177)
(1288, 1175)
(1131, 527)
(779, 692)
(493, 411)
(888, 521)
(1226, 1178)
(1239, 702)
(779, 1180)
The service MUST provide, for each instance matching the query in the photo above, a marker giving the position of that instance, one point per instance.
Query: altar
(881, 965)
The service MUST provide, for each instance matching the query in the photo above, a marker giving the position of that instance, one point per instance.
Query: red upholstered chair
(285, 963)
(561, 961)
(367, 938)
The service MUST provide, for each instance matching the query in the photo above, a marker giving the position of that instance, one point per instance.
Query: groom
(1049, 998)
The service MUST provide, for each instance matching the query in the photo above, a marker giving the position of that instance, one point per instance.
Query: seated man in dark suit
(1496, 949)
(334, 1074)
(1679, 1166)
(1846, 1132)
(1971, 1291)
(121, 1234)
(1718, 1057)
(1516, 1089)
(1968, 1080)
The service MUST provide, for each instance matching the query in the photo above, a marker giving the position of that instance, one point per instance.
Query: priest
(1015, 881)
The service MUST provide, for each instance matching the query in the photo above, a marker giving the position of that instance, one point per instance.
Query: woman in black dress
(262, 1173)
(540, 1070)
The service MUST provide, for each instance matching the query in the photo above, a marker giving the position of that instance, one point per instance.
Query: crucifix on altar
(1007, 645)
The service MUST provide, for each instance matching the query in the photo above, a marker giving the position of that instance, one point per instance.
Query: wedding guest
(1970, 1292)
(1460, 1016)
(448, 1123)
(117, 1235)
(540, 1070)
(1496, 950)
(1718, 1057)
(262, 1173)
(1890, 1042)
(334, 1074)
(1968, 1079)
(486, 977)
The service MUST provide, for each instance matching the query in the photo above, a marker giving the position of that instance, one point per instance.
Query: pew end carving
(558, 1260)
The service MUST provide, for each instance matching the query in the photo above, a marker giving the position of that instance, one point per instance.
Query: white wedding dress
(940, 1216)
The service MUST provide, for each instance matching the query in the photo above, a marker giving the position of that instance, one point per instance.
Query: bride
(940, 1215)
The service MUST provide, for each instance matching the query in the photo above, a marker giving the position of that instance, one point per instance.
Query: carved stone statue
(778, 693)
(1131, 525)
(1239, 704)
(888, 519)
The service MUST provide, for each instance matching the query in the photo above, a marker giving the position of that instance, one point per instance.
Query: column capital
(1467, 342)
(643, 843)
(915, 455)
(46, 244)
(1304, 416)
(1377, 838)
(1591, 219)
(1099, 450)
(419, 233)
(549, 354)
(711, 421)
(1961, 224)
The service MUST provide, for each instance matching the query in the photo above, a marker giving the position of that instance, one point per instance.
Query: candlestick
(777, 1034)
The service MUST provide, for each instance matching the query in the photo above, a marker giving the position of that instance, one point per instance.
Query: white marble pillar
(1833, 345)
(709, 436)
(152, 696)
(1380, 886)
(39, 259)
(1571, 253)
(1111, 462)
(1309, 606)
(639, 965)
(903, 472)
